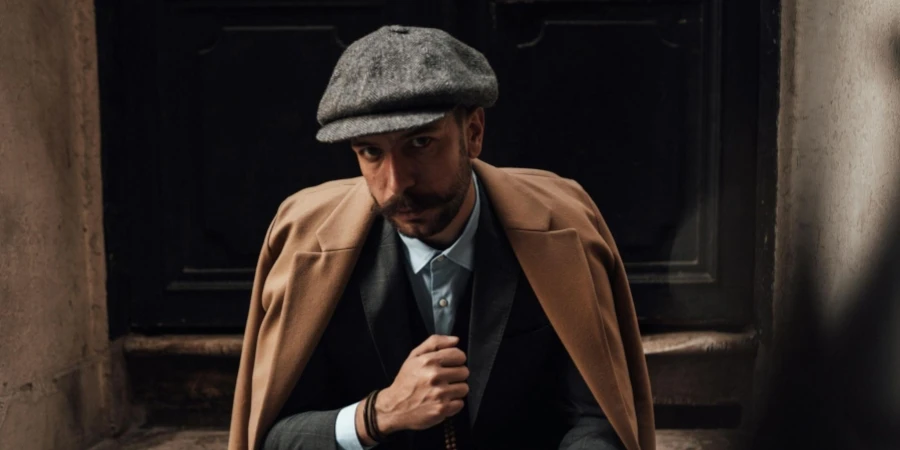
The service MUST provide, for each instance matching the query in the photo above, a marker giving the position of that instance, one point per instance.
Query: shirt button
(439, 258)
(443, 303)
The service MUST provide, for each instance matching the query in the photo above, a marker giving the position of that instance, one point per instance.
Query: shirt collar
(460, 252)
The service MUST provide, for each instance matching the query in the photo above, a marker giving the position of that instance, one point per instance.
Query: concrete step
(700, 379)
(198, 439)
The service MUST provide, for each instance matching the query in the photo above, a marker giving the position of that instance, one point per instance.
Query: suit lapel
(494, 287)
(384, 290)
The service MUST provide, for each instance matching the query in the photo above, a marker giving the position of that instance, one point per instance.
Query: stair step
(199, 439)
(685, 343)
(699, 379)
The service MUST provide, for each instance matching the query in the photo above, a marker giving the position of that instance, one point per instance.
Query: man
(436, 301)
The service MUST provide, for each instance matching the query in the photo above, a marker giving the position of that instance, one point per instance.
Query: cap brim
(352, 127)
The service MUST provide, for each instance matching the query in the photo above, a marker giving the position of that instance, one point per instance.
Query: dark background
(208, 112)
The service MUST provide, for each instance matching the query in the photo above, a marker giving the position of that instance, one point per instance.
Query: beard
(443, 206)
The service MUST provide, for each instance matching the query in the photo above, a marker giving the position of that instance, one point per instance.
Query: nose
(398, 175)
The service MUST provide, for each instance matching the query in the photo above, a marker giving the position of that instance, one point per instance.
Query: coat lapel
(494, 287)
(556, 266)
(300, 294)
(575, 313)
(384, 290)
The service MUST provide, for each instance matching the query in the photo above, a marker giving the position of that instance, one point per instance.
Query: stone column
(56, 368)
(831, 378)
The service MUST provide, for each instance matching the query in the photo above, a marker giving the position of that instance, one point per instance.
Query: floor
(172, 439)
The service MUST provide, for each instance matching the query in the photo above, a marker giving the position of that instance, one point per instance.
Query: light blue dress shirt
(438, 280)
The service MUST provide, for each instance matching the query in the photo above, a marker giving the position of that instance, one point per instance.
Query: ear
(474, 132)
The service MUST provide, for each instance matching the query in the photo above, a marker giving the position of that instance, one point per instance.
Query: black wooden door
(209, 109)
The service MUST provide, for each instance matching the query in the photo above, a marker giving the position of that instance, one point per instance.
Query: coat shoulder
(300, 214)
(324, 195)
(570, 204)
(567, 197)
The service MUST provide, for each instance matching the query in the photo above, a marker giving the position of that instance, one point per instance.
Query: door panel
(209, 122)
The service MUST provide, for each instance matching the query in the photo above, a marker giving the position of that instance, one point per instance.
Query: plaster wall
(833, 359)
(839, 142)
(55, 357)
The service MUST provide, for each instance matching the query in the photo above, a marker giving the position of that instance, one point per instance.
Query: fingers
(453, 401)
(452, 374)
(449, 357)
(434, 343)
(436, 375)
(456, 391)
(453, 408)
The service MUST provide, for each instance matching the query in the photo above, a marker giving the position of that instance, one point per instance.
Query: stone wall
(55, 357)
(837, 280)
(839, 136)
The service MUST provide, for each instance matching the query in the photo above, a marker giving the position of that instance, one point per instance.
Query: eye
(421, 141)
(370, 153)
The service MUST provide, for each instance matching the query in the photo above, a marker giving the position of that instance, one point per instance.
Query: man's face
(419, 178)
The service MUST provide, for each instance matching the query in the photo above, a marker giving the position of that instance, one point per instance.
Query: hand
(430, 387)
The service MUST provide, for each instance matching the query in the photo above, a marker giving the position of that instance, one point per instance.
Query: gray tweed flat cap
(398, 78)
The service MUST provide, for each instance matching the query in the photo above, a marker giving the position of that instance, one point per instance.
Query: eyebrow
(423, 129)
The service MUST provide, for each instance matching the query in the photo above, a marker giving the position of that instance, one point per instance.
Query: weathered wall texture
(839, 135)
(55, 365)
(837, 282)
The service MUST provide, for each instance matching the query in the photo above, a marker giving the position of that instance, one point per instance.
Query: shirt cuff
(345, 429)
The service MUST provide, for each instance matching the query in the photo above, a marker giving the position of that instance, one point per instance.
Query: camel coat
(558, 236)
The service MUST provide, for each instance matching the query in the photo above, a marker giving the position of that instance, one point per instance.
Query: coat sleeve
(308, 417)
(589, 428)
(238, 438)
(626, 317)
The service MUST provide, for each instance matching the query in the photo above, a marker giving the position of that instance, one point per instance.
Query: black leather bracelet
(368, 413)
(379, 436)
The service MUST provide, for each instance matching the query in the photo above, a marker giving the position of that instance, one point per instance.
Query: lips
(411, 209)
(409, 212)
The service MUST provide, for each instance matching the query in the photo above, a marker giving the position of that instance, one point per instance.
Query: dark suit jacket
(524, 389)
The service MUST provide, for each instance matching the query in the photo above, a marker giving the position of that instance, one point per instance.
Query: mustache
(408, 201)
